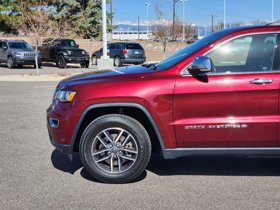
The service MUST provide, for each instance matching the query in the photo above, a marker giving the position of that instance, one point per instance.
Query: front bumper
(80, 60)
(64, 148)
(27, 61)
(61, 121)
(133, 60)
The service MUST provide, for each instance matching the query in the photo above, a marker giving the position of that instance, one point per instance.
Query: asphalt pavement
(47, 68)
(36, 176)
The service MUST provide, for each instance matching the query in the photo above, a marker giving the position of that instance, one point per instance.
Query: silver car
(18, 53)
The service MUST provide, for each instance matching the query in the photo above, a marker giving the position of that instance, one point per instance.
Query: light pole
(225, 14)
(272, 11)
(104, 29)
(183, 1)
(147, 13)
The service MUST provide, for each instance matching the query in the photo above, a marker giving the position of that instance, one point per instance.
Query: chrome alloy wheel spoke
(114, 150)
(127, 158)
(129, 150)
(101, 151)
(108, 137)
(104, 158)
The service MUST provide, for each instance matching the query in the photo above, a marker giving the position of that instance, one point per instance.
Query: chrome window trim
(224, 42)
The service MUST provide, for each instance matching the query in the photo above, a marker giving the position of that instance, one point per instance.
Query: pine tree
(8, 16)
(82, 18)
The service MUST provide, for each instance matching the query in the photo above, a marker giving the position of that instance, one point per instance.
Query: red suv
(218, 96)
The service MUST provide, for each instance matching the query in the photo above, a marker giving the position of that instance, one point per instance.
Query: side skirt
(182, 152)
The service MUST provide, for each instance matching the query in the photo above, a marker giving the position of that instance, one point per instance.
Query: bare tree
(35, 22)
(190, 31)
(162, 30)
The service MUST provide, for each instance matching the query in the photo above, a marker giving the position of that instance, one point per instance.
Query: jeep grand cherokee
(218, 96)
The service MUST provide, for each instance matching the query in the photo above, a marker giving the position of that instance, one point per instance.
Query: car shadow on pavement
(61, 162)
(69, 66)
(218, 166)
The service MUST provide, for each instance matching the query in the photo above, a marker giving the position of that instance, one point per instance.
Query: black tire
(61, 63)
(117, 61)
(84, 65)
(10, 62)
(94, 60)
(115, 148)
(39, 66)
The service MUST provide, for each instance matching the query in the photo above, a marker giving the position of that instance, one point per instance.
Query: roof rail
(273, 24)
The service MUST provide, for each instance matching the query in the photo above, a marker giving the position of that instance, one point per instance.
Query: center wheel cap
(115, 149)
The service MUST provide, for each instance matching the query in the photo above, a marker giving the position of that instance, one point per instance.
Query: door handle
(261, 81)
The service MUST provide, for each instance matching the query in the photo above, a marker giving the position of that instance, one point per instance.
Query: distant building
(131, 35)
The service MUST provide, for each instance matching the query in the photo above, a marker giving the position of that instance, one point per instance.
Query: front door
(235, 106)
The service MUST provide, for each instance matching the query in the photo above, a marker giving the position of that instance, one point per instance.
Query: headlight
(69, 52)
(64, 96)
(18, 53)
(83, 52)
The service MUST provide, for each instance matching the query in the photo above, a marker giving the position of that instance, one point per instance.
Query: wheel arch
(135, 111)
(59, 54)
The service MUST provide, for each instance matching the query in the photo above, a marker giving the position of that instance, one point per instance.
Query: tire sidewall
(61, 63)
(10, 62)
(94, 60)
(135, 129)
(119, 62)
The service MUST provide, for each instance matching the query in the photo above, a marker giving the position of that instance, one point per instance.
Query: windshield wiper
(152, 66)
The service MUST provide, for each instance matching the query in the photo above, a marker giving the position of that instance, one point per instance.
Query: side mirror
(77, 46)
(101, 49)
(201, 65)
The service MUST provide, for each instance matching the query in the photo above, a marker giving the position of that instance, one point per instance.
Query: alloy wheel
(114, 150)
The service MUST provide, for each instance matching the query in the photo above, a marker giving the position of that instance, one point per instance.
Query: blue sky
(198, 11)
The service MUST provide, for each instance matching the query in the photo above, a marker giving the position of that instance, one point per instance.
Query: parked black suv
(18, 53)
(63, 51)
(122, 53)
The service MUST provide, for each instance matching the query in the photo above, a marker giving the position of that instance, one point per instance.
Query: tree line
(77, 18)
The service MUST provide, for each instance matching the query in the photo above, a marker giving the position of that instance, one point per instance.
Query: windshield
(68, 43)
(20, 45)
(184, 53)
(133, 47)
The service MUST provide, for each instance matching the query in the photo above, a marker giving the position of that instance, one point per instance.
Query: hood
(123, 73)
(71, 48)
(23, 50)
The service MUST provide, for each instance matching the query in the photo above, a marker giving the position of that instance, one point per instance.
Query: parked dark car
(122, 53)
(17, 53)
(63, 51)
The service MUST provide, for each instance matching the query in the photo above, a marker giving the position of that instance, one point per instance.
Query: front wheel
(94, 60)
(117, 62)
(11, 62)
(85, 65)
(115, 148)
(61, 63)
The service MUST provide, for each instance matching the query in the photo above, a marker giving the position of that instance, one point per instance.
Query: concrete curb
(32, 78)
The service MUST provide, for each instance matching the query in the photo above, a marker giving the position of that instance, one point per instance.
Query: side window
(1, 45)
(112, 47)
(4, 44)
(57, 43)
(245, 54)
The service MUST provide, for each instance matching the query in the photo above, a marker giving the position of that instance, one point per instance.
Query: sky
(197, 11)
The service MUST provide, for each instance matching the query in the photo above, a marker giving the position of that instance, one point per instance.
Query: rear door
(1, 51)
(236, 106)
(112, 50)
(5, 52)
